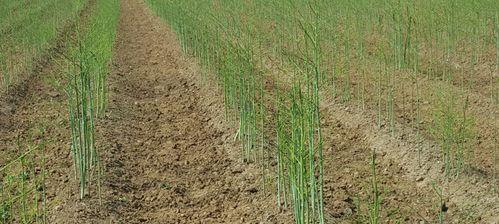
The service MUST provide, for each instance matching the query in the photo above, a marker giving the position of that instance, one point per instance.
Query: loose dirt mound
(166, 156)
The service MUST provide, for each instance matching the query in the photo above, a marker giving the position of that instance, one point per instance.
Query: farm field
(218, 111)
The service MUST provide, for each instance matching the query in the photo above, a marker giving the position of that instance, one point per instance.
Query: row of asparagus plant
(419, 58)
(27, 30)
(88, 66)
(226, 48)
(402, 54)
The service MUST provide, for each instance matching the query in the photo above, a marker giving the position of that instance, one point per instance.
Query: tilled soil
(168, 155)
(165, 153)
(407, 178)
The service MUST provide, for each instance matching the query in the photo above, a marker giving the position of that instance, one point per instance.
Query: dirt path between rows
(166, 155)
(169, 157)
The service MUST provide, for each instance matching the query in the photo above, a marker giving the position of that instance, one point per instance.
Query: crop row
(429, 64)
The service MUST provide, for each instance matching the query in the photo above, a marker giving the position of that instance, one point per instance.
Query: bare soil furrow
(167, 156)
